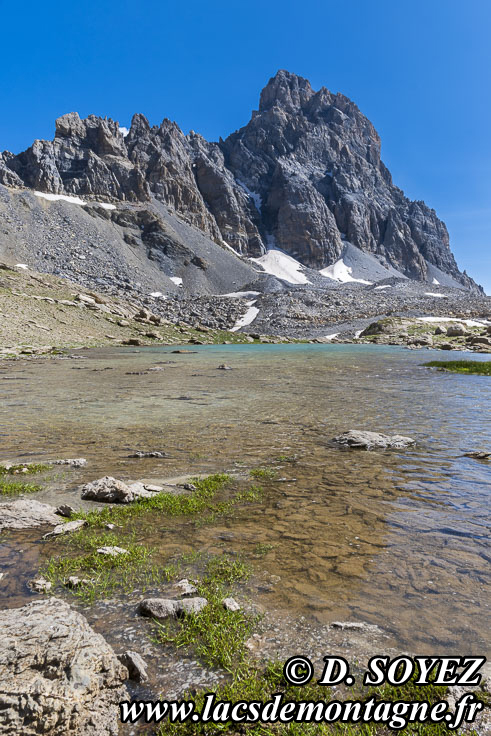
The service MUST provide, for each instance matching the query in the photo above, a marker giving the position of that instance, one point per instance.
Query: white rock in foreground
(110, 490)
(58, 675)
(368, 440)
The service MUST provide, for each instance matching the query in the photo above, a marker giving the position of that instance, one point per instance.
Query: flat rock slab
(57, 675)
(24, 514)
(358, 439)
(70, 526)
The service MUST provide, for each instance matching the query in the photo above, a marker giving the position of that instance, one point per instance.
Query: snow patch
(248, 317)
(176, 280)
(24, 266)
(104, 205)
(73, 200)
(435, 282)
(241, 294)
(331, 337)
(432, 293)
(339, 271)
(256, 198)
(282, 266)
(62, 197)
(384, 286)
(158, 295)
(230, 248)
(468, 322)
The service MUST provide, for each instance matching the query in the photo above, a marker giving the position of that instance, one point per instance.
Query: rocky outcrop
(304, 175)
(57, 675)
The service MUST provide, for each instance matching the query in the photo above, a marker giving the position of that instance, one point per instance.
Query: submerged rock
(136, 666)
(368, 440)
(58, 675)
(478, 455)
(40, 585)
(24, 514)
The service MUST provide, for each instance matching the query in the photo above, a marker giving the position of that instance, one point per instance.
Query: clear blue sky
(419, 69)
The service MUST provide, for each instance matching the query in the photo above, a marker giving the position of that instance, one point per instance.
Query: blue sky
(420, 70)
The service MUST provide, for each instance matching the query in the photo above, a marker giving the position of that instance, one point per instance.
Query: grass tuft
(13, 488)
(475, 367)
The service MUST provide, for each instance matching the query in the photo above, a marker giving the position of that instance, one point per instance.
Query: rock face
(57, 675)
(304, 175)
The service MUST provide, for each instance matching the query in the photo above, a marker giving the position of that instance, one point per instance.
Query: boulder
(456, 331)
(136, 666)
(159, 608)
(108, 490)
(230, 604)
(162, 608)
(65, 510)
(24, 514)
(358, 439)
(58, 675)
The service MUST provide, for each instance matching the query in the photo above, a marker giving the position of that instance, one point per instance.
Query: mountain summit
(303, 176)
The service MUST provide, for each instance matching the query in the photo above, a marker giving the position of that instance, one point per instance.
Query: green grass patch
(13, 488)
(169, 504)
(26, 469)
(103, 573)
(262, 549)
(263, 473)
(286, 459)
(475, 367)
(217, 636)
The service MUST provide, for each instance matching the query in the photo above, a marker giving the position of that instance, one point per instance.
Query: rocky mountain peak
(285, 90)
(304, 175)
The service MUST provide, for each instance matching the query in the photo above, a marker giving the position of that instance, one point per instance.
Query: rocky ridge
(304, 176)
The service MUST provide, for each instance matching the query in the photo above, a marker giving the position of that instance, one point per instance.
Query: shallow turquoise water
(399, 539)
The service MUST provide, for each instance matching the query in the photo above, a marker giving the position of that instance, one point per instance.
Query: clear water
(399, 539)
